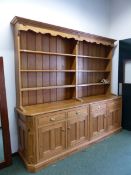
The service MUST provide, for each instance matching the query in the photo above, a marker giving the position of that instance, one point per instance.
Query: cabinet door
(98, 124)
(77, 127)
(51, 140)
(114, 114)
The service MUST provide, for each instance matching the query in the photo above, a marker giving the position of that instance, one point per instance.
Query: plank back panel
(32, 41)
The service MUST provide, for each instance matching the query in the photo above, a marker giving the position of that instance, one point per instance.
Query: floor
(109, 157)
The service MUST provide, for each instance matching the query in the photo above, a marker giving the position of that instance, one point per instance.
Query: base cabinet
(48, 137)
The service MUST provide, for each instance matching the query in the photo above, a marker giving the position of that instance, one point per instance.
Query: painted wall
(86, 15)
(120, 15)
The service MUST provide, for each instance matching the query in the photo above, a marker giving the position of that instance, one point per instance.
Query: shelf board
(26, 70)
(103, 71)
(93, 57)
(92, 84)
(47, 70)
(46, 87)
(62, 54)
(47, 53)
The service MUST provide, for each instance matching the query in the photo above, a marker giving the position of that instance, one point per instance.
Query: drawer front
(114, 105)
(80, 111)
(51, 118)
(98, 108)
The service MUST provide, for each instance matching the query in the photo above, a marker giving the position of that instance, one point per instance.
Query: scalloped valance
(43, 28)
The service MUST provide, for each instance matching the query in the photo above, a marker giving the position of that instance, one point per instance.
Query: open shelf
(93, 84)
(47, 53)
(95, 71)
(46, 62)
(62, 54)
(92, 64)
(93, 90)
(47, 95)
(92, 77)
(93, 57)
(47, 70)
(48, 87)
(88, 71)
(36, 43)
(47, 79)
(96, 51)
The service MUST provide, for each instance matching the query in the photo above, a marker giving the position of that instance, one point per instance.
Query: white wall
(120, 19)
(120, 28)
(85, 15)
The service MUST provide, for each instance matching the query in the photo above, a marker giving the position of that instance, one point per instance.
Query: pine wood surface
(61, 105)
(54, 65)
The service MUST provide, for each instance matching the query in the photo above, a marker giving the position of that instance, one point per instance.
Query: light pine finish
(51, 140)
(56, 64)
(49, 135)
(97, 119)
(113, 114)
(78, 126)
(62, 104)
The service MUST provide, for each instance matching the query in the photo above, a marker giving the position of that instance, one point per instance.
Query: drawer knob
(52, 119)
(77, 113)
(63, 130)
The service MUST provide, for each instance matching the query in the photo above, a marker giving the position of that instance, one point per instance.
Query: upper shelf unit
(54, 63)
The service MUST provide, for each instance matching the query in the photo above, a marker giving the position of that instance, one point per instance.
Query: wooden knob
(63, 130)
(52, 119)
(77, 113)
(99, 107)
(68, 128)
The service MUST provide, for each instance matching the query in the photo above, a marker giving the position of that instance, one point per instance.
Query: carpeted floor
(1, 146)
(109, 157)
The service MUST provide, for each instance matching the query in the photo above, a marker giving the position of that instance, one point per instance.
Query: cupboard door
(51, 140)
(77, 130)
(113, 114)
(98, 124)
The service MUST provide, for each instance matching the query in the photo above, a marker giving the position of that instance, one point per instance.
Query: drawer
(114, 105)
(76, 112)
(98, 108)
(50, 118)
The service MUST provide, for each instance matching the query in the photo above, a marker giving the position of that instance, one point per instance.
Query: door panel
(114, 120)
(114, 114)
(98, 124)
(77, 130)
(51, 140)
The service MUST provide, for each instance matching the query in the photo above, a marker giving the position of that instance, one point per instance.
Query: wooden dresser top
(34, 110)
